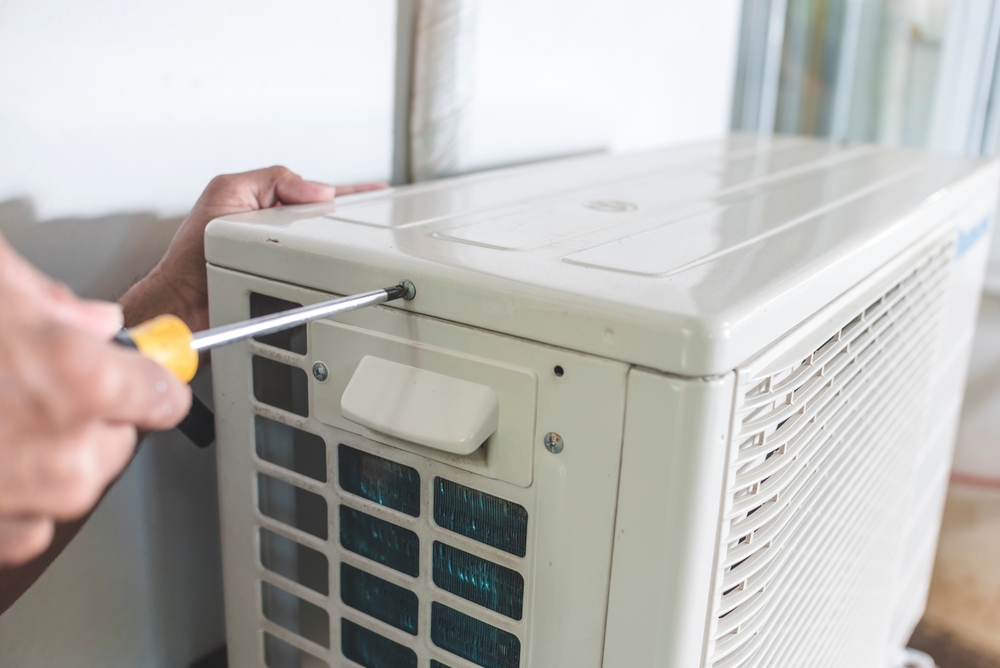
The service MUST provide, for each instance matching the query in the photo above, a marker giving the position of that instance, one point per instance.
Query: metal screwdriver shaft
(268, 324)
(167, 340)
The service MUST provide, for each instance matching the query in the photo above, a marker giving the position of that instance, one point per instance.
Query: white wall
(117, 105)
(113, 117)
(567, 76)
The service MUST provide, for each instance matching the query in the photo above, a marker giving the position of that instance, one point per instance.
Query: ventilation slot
(473, 578)
(291, 612)
(818, 473)
(473, 640)
(294, 561)
(290, 448)
(381, 541)
(379, 598)
(279, 654)
(292, 505)
(380, 480)
(371, 650)
(381, 594)
(280, 385)
(294, 339)
(482, 517)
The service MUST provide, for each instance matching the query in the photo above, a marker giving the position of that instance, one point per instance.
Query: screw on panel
(320, 371)
(553, 442)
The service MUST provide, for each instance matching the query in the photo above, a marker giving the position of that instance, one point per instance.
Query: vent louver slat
(817, 479)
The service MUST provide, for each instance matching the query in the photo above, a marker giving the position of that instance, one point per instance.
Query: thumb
(102, 319)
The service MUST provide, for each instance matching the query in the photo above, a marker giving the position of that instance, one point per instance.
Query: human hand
(179, 283)
(70, 403)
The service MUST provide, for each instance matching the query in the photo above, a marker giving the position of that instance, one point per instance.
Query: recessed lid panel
(688, 260)
(671, 242)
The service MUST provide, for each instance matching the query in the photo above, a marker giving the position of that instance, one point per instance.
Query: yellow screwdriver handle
(167, 340)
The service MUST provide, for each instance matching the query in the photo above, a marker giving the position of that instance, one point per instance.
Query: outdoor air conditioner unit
(689, 407)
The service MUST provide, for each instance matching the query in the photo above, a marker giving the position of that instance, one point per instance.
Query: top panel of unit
(687, 259)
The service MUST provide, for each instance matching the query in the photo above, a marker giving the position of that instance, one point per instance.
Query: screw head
(411, 290)
(320, 372)
(553, 442)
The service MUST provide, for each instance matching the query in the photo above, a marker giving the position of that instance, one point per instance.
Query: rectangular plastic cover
(420, 406)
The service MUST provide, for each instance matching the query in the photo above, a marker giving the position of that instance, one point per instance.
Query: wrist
(162, 292)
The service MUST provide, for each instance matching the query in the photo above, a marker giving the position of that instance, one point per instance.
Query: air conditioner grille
(380, 541)
(480, 516)
(472, 639)
(369, 555)
(816, 481)
(371, 650)
(380, 480)
(479, 580)
(379, 599)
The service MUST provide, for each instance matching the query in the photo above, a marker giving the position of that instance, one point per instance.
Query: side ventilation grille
(816, 482)
(368, 561)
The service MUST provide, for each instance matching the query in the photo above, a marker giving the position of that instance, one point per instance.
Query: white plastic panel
(651, 199)
(480, 195)
(570, 503)
(673, 457)
(746, 218)
(506, 456)
(977, 457)
(608, 255)
(420, 406)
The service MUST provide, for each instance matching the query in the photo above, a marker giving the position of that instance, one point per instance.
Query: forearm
(159, 293)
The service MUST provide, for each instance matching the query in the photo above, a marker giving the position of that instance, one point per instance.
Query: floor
(961, 627)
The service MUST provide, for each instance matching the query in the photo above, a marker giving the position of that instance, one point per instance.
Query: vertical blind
(919, 73)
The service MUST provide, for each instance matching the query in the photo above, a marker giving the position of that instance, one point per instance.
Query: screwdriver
(167, 340)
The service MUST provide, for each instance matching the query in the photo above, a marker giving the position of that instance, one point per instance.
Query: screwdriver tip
(402, 290)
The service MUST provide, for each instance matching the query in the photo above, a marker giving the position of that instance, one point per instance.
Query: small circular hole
(558, 370)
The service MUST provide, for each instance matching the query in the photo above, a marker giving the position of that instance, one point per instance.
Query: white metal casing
(663, 285)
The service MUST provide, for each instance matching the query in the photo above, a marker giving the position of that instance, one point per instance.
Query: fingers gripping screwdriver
(167, 340)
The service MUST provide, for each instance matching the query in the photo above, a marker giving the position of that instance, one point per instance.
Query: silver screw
(320, 372)
(553, 442)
